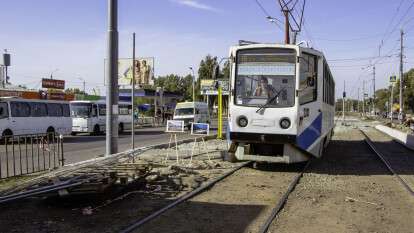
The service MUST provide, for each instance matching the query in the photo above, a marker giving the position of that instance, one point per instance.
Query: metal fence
(25, 154)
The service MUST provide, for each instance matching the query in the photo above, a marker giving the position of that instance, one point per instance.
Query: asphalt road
(81, 147)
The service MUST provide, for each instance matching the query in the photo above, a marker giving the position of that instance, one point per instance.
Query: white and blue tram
(281, 106)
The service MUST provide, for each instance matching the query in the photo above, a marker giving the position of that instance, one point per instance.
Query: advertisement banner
(53, 83)
(208, 86)
(144, 71)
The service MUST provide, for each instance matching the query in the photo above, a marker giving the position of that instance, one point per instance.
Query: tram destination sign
(53, 83)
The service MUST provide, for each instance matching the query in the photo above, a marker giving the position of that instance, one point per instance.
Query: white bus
(90, 116)
(188, 112)
(26, 116)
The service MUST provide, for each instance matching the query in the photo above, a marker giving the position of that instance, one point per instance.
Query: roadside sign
(365, 95)
(393, 79)
(53, 83)
(210, 86)
(174, 126)
(200, 128)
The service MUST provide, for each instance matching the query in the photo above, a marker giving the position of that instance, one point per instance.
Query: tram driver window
(308, 79)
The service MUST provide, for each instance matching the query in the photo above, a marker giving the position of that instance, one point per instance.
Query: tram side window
(308, 79)
(4, 113)
(20, 109)
(54, 110)
(66, 110)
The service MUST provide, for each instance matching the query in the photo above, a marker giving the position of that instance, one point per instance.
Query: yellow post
(220, 110)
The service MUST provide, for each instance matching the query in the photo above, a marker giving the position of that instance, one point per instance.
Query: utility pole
(401, 76)
(133, 94)
(358, 101)
(373, 85)
(391, 101)
(363, 97)
(343, 105)
(112, 108)
(287, 35)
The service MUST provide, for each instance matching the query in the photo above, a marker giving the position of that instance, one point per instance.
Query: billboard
(208, 86)
(144, 71)
(53, 83)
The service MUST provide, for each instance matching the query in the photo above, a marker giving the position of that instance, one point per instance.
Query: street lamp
(84, 84)
(51, 73)
(191, 68)
(275, 21)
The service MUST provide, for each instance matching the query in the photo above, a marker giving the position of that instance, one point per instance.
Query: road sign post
(220, 110)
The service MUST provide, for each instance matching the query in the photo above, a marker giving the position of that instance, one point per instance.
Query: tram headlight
(242, 121)
(284, 123)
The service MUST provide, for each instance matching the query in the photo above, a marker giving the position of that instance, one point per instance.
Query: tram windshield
(264, 73)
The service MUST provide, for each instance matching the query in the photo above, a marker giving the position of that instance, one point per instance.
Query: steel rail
(283, 200)
(183, 198)
(387, 164)
(73, 182)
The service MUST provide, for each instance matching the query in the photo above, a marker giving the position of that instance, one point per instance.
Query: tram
(281, 106)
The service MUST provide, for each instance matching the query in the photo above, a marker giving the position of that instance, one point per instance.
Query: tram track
(386, 161)
(262, 227)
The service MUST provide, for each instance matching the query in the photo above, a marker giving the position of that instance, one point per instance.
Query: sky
(69, 38)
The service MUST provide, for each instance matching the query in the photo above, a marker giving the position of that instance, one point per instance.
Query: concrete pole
(391, 101)
(401, 76)
(133, 94)
(363, 98)
(287, 31)
(112, 80)
(343, 105)
(358, 101)
(373, 80)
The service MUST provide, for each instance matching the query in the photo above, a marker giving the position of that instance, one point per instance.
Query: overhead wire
(268, 16)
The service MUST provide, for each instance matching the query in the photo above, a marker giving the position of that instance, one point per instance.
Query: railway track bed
(242, 202)
(348, 190)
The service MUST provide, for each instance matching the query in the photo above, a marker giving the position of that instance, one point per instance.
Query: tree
(225, 71)
(382, 97)
(74, 91)
(175, 83)
(408, 93)
(206, 69)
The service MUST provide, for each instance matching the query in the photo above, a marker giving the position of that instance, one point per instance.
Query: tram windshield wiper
(270, 100)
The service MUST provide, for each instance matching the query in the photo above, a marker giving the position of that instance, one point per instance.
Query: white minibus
(28, 116)
(90, 116)
(188, 112)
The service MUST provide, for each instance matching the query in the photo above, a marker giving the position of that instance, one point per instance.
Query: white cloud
(196, 4)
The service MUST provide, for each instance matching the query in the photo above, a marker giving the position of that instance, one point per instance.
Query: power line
(267, 15)
(350, 39)
(357, 58)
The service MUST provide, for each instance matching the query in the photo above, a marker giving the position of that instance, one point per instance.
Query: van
(188, 112)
